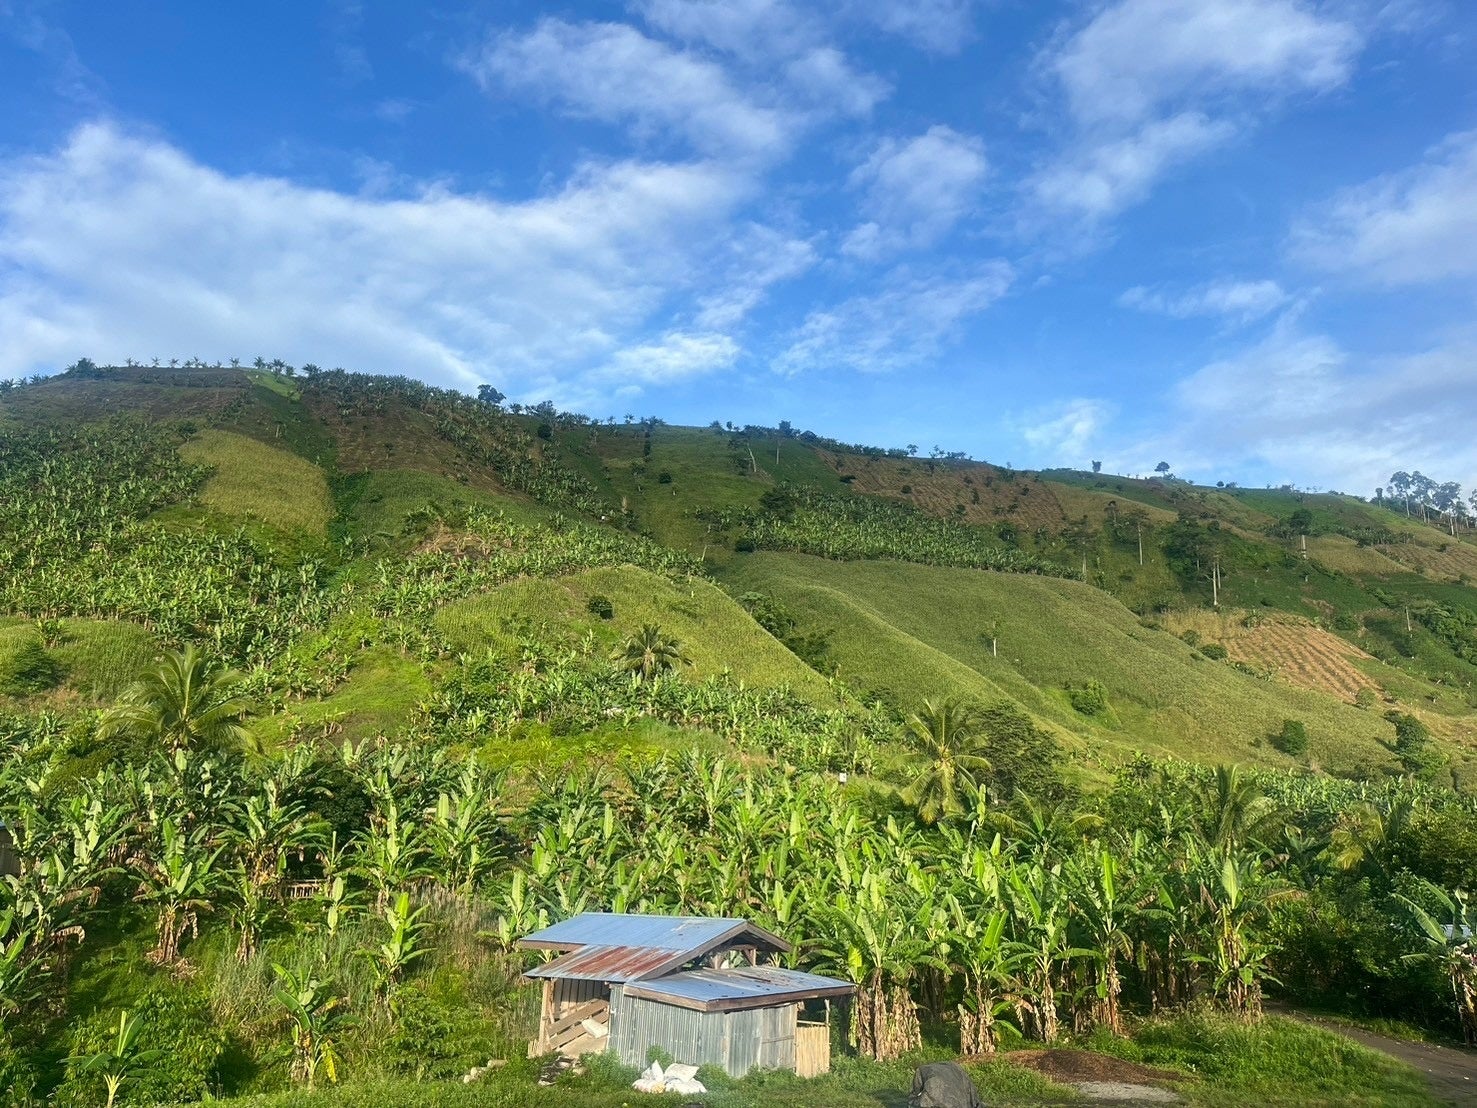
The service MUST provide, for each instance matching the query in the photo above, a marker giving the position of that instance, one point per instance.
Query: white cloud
(676, 356)
(613, 73)
(1067, 430)
(914, 192)
(120, 246)
(1136, 56)
(1237, 300)
(1102, 179)
(1298, 407)
(1150, 84)
(936, 26)
(758, 258)
(828, 83)
(907, 323)
(1405, 228)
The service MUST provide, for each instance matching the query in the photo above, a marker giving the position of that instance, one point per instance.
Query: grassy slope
(260, 482)
(917, 630)
(715, 632)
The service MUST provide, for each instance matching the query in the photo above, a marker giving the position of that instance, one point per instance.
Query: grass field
(715, 632)
(915, 631)
(256, 481)
(1278, 1064)
(375, 506)
(378, 698)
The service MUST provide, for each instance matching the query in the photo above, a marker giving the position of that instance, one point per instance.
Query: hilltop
(858, 580)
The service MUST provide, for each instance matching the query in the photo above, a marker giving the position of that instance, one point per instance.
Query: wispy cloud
(1409, 227)
(1298, 406)
(935, 26)
(915, 191)
(1066, 431)
(906, 323)
(1241, 301)
(1150, 84)
(613, 73)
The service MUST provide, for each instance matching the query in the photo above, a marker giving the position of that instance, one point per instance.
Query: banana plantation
(211, 888)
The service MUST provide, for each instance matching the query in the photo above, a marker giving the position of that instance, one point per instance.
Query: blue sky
(1237, 235)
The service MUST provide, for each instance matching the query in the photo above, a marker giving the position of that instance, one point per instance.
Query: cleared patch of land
(257, 481)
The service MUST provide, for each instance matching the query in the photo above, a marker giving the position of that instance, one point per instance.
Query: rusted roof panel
(712, 990)
(606, 963)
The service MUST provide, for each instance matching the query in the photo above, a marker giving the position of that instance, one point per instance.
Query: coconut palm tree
(943, 735)
(648, 653)
(186, 703)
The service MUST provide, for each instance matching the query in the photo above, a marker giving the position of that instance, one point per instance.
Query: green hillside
(914, 631)
(318, 691)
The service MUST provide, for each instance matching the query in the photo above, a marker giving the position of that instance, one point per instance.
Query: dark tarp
(943, 1085)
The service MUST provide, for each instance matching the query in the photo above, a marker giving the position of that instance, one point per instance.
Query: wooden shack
(691, 986)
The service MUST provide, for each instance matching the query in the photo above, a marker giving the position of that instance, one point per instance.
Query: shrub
(1366, 697)
(25, 667)
(1191, 637)
(175, 1023)
(1214, 651)
(17, 1076)
(1292, 739)
(1090, 699)
(664, 478)
(423, 1044)
(545, 431)
(600, 605)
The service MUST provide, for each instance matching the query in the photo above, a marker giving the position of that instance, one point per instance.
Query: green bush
(1292, 739)
(1214, 651)
(1090, 699)
(25, 666)
(424, 1042)
(17, 1076)
(176, 1023)
(600, 605)
(1366, 697)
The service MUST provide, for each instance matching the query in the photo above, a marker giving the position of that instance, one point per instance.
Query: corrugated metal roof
(674, 933)
(607, 963)
(745, 987)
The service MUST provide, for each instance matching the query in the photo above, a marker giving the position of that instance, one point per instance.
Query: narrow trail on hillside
(1451, 1071)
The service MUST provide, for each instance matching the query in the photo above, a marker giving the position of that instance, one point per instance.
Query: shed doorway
(574, 1019)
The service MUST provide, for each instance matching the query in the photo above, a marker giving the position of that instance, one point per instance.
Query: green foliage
(1292, 739)
(1276, 1062)
(1090, 699)
(26, 666)
(600, 606)
(1214, 651)
(18, 1076)
(172, 1054)
(423, 1044)
(851, 527)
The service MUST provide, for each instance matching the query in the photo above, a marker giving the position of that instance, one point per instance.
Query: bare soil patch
(1070, 1067)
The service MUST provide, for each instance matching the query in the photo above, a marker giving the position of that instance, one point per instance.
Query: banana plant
(316, 1019)
(1452, 948)
(402, 948)
(120, 1061)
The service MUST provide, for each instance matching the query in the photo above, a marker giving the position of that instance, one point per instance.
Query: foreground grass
(852, 1084)
(1279, 1064)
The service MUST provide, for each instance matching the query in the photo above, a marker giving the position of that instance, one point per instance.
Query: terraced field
(1299, 652)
